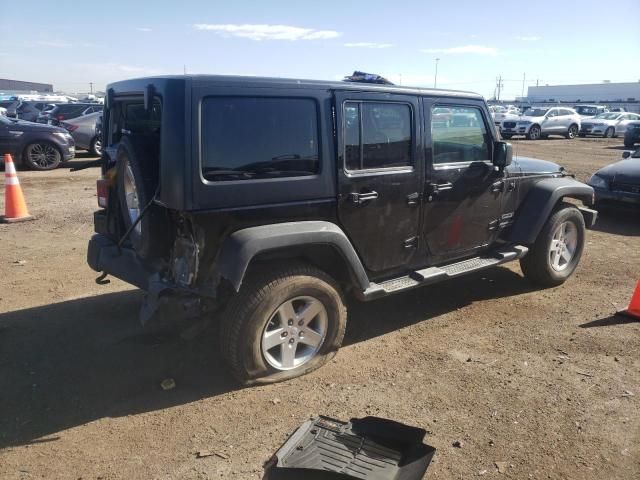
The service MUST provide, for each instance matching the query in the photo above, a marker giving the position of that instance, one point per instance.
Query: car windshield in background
(586, 110)
(608, 116)
(537, 112)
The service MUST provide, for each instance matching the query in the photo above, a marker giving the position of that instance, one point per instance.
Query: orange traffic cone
(15, 208)
(633, 310)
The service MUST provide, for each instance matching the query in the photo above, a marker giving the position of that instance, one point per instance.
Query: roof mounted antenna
(363, 77)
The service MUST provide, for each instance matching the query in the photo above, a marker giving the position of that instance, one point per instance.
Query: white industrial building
(606, 92)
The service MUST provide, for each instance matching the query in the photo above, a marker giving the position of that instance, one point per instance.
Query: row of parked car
(582, 120)
(42, 135)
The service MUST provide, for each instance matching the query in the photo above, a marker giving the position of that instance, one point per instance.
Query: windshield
(537, 112)
(608, 116)
(586, 110)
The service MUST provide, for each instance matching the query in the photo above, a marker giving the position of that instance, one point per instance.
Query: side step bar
(431, 275)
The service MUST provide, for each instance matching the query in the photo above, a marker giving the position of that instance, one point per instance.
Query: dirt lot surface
(546, 381)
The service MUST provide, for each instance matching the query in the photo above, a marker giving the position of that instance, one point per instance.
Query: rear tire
(260, 332)
(137, 181)
(96, 146)
(557, 251)
(41, 156)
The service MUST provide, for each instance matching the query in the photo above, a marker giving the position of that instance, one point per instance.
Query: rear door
(379, 176)
(463, 189)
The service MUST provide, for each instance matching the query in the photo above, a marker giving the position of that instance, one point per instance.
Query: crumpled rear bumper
(103, 255)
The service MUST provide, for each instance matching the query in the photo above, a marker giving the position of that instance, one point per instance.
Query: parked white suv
(540, 122)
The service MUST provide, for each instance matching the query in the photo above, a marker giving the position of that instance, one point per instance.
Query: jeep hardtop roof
(138, 85)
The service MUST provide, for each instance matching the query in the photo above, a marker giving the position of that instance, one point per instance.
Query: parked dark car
(632, 134)
(67, 111)
(618, 183)
(35, 146)
(272, 200)
(29, 110)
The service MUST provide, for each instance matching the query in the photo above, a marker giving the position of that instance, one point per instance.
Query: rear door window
(377, 135)
(250, 138)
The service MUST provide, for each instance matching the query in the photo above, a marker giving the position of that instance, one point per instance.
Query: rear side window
(463, 139)
(246, 138)
(376, 135)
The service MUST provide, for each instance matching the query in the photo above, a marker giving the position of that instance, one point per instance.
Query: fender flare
(239, 248)
(540, 202)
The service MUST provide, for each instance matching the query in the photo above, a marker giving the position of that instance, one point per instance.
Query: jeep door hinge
(493, 224)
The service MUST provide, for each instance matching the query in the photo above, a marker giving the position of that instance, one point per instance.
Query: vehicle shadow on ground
(609, 321)
(70, 363)
(623, 221)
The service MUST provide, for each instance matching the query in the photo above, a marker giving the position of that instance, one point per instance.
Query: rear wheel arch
(318, 243)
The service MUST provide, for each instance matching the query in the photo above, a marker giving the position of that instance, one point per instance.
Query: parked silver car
(83, 131)
(540, 122)
(610, 124)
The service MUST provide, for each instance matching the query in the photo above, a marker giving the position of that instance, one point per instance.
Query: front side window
(465, 139)
(377, 135)
(245, 138)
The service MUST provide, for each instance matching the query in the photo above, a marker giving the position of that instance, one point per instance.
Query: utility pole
(184, 69)
(91, 87)
(499, 85)
(524, 76)
(435, 77)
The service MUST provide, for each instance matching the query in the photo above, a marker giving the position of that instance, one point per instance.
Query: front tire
(572, 132)
(283, 323)
(557, 251)
(41, 156)
(609, 133)
(534, 133)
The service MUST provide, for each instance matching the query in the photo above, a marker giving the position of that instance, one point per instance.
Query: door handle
(441, 187)
(359, 198)
(497, 186)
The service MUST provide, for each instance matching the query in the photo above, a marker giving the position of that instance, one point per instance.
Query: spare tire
(137, 182)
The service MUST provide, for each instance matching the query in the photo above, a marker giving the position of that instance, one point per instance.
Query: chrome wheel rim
(572, 132)
(97, 146)
(294, 333)
(535, 133)
(563, 246)
(43, 155)
(131, 198)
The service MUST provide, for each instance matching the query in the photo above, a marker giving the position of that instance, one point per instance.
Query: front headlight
(63, 135)
(597, 182)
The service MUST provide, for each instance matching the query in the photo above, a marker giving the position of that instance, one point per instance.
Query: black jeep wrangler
(271, 200)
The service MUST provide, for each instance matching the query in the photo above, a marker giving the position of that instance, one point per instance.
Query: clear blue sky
(71, 44)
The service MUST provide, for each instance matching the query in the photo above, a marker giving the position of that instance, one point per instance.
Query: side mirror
(626, 154)
(502, 154)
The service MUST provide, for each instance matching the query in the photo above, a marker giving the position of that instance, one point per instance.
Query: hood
(527, 118)
(533, 166)
(624, 171)
(24, 126)
(593, 121)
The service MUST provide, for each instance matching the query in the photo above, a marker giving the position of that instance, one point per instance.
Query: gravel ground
(547, 381)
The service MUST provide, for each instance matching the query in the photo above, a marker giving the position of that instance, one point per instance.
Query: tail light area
(102, 187)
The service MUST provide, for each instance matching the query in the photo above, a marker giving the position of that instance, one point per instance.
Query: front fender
(540, 202)
(241, 246)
